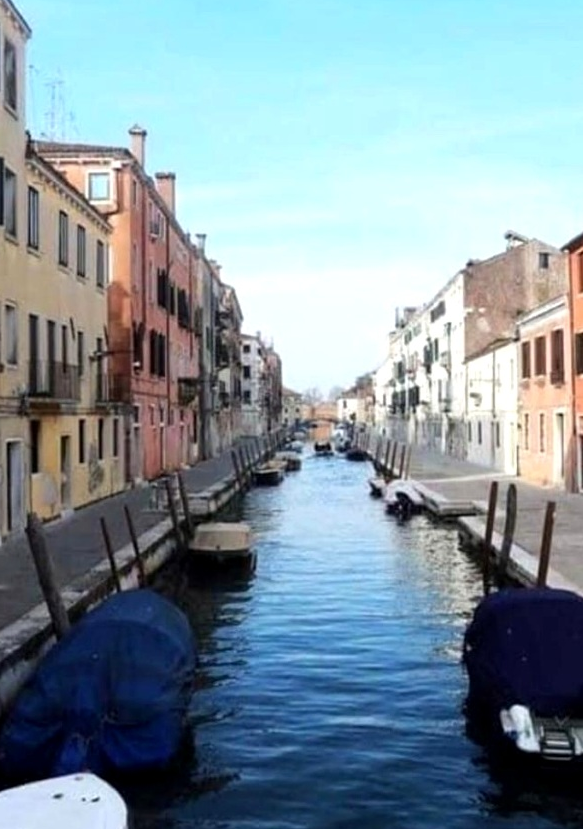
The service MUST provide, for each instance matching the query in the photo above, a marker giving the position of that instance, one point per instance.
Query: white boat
(76, 801)
(377, 487)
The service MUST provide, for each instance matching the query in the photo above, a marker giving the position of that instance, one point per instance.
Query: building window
(11, 334)
(81, 251)
(134, 192)
(33, 219)
(81, 353)
(100, 439)
(246, 349)
(247, 397)
(10, 75)
(10, 203)
(580, 271)
(544, 261)
(35, 435)
(99, 187)
(64, 347)
(81, 441)
(557, 357)
(101, 265)
(63, 239)
(525, 360)
(246, 372)
(579, 352)
(540, 356)
(115, 435)
(479, 432)
(526, 438)
(497, 435)
(469, 432)
(541, 433)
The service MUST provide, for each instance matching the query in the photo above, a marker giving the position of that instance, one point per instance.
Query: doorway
(65, 472)
(14, 486)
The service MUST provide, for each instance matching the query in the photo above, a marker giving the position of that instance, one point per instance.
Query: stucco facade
(151, 346)
(545, 395)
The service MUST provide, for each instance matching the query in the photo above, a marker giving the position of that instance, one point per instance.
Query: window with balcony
(525, 360)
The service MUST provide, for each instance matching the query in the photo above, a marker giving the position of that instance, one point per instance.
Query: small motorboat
(296, 446)
(291, 460)
(110, 697)
(356, 454)
(522, 651)
(323, 448)
(271, 473)
(221, 543)
(377, 487)
(402, 499)
(69, 802)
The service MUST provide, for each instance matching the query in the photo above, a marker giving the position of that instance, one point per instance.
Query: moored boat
(522, 652)
(356, 454)
(402, 499)
(269, 474)
(323, 448)
(221, 543)
(111, 696)
(69, 802)
(377, 487)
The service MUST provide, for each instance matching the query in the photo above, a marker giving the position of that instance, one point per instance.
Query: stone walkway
(458, 480)
(76, 542)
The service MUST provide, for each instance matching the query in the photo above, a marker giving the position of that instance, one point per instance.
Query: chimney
(166, 186)
(138, 144)
(201, 240)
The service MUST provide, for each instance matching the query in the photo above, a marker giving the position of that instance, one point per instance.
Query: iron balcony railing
(112, 388)
(53, 380)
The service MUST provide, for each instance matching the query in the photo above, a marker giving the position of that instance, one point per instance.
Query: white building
(291, 414)
(492, 407)
(253, 422)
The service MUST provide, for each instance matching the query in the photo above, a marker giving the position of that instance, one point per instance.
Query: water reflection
(330, 690)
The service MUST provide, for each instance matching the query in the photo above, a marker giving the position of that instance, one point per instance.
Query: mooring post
(244, 470)
(249, 464)
(509, 527)
(387, 459)
(189, 528)
(402, 461)
(487, 546)
(236, 467)
(136, 546)
(408, 461)
(110, 554)
(393, 459)
(174, 515)
(545, 545)
(46, 575)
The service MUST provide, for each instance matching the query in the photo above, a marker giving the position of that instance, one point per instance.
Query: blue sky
(343, 156)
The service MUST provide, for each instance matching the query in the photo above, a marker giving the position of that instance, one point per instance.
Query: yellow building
(61, 439)
(14, 489)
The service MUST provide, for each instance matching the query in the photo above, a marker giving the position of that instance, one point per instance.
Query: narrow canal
(330, 692)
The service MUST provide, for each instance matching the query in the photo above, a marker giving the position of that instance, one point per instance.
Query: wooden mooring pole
(408, 462)
(402, 461)
(387, 459)
(188, 525)
(110, 554)
(509, 527)
(136, 546)
(174, 515)
(393, 459)
(545, 545)
(46, 575)
(487, 547)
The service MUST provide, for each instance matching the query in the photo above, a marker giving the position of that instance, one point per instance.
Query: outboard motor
(403, 507)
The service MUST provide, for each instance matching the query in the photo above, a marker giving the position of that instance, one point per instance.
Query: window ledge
(10, 237)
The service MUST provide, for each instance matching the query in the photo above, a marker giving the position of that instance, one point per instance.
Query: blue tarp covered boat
(524, 655)
(111, 696)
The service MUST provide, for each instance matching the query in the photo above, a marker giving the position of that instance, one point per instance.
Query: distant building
(292, 408)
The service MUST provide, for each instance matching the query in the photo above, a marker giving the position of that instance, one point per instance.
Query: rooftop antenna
(55, 117)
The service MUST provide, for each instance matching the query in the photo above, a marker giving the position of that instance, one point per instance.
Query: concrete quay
(456, 489)
(81, 567)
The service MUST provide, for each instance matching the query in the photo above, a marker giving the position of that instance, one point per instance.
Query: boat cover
(525, 646)
(110, 696)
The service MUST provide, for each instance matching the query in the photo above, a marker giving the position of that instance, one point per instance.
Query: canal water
(330, 691)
